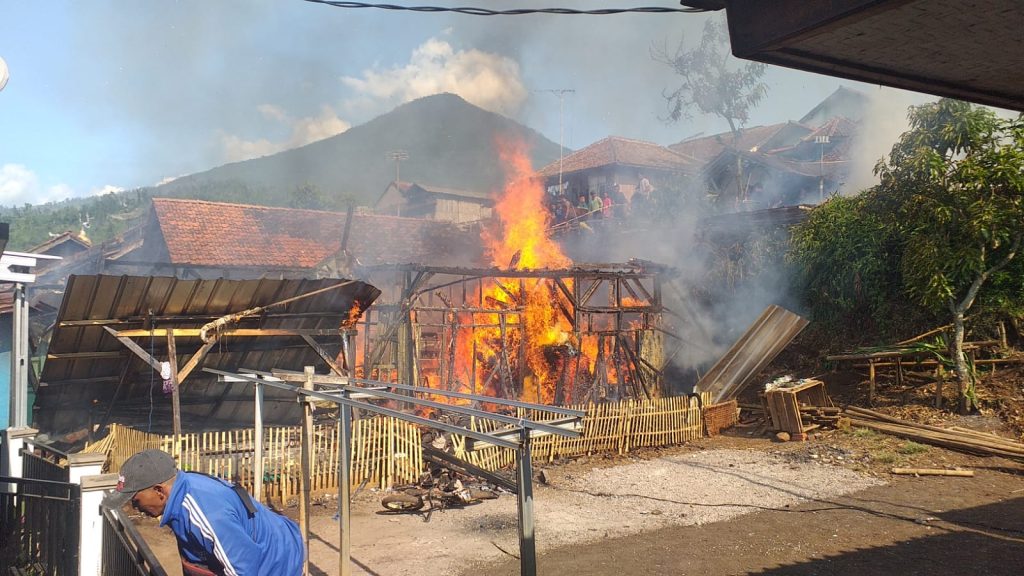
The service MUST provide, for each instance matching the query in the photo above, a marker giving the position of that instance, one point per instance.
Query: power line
(513, 12)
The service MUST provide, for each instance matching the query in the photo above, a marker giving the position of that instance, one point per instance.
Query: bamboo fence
(611, 427)
(388, 451)
(385, 452)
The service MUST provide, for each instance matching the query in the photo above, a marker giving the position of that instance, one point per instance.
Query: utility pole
(398, 156)
(561, 92)
(821, 140)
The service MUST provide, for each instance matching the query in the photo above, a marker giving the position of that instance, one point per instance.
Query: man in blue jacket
(216, 523)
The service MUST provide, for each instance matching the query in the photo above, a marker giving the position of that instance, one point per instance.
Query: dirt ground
(741, 506)
(740, 503)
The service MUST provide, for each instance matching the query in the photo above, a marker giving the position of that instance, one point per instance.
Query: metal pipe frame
(513, 420)
(524, 480)
(448, 393)
(352, 403)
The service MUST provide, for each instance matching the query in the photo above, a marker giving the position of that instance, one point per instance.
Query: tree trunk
(956, 354)
(966, 399)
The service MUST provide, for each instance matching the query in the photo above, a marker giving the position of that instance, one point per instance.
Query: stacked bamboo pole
(960, 440)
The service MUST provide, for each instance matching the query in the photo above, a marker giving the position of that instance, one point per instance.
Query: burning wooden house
(533, 326)
(553, 336)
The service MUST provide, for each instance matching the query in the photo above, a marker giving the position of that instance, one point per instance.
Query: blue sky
(110, 95)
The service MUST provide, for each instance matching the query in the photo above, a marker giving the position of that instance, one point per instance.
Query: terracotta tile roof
(620, 151)
(204, 233)
(705, 149)
(840, 133)
(838, 127)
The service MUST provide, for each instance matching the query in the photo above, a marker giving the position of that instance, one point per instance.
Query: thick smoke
(884, 121)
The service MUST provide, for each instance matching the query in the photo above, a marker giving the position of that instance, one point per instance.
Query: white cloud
(19, 185)
(490, 81)
(273, 112)
(303, 131)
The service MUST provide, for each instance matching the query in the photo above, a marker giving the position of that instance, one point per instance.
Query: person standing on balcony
(596, 206)
(220, 530)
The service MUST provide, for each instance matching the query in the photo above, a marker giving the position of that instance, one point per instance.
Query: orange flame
(518, 340)
(522, 242)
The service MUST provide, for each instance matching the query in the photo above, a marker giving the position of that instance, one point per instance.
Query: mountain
(449, 143)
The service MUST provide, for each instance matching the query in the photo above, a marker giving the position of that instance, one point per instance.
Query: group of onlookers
(606, 203)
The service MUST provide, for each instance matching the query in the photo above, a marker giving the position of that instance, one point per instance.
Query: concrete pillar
(94, 488)
(12, 440)
(81, 465)
(19, 359)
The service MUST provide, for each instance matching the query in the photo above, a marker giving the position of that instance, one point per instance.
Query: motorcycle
(430, 494)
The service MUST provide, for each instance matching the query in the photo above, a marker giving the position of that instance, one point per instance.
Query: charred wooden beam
(135, 348)
(196, 358)
(604, 271)
(315, 346)
(589, 293)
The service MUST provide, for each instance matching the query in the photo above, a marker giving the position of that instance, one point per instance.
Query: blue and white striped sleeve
(223, 535)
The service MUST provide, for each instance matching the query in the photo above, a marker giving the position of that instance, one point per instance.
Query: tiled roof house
(238, 240)
(615, 160)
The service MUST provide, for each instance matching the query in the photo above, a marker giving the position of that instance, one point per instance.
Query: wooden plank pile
(959, 439)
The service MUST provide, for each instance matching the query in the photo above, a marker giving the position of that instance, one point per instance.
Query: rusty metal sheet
(85, 363)
(759, 345)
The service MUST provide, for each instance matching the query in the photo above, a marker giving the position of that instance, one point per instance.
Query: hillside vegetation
(449, 143)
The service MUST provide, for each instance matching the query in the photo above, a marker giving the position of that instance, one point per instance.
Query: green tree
(954, 187)
(847, 266)
(713, 83)
(308, 196)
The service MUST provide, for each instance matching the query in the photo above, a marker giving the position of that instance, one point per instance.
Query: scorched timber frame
(415, 328)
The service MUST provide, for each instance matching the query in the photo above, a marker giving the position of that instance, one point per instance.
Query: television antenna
(398, 156)
(560, 92)
(821, 140)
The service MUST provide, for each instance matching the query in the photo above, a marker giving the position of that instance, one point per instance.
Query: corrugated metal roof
(85, 363)
(759, 345)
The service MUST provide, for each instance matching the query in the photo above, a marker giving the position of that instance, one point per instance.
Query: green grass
(909, 448)
(884, 456)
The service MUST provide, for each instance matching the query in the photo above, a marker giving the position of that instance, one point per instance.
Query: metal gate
(125, 552)
(40, 523)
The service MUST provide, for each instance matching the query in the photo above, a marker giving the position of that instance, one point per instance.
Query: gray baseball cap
(143, 470)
